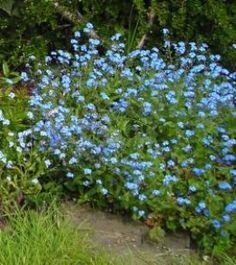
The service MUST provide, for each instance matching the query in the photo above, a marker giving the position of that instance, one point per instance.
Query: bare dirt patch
(124, 237)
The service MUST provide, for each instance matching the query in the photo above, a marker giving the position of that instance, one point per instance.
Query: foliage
(26, 29)
(143, 132)
(157, 234)
(18, 170)
(47, 238)
(8, 77)
(26, 26)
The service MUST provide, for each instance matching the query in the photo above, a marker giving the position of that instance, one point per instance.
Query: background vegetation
(35, 27)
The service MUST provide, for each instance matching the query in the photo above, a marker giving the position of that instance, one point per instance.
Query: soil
(126, 238)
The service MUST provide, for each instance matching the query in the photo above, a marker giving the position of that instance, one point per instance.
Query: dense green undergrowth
(26, 26)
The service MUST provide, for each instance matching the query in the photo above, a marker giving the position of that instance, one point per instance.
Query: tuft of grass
(227, 260)
(47, 238)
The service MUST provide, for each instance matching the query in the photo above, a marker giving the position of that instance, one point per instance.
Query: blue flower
(165, 31)
(147, 108)
(77, 34)
(116, 37)
(206, 212)
(171, 97)
(202, 205)
(189, 133)
(134, 156)
(171, 163)
(233, 172)
(86, 183)
(70, 175)
(231, 207)
(168, 179)
(131, 186)
(104, 191)
(24, 76)
(183, 201)
(94, 42)
(141, 213)
(226, 218)
(47, 163)
(180, 124)
(88, 28)
(99, 181)
(113, 160)
(142, 197)
(104, 96)
(187, 148)
(87, 171)
(229, 158)
(198, 171)
(156, 193)
(224, 186)
(72, 161)
(192, 188)
(216, 224)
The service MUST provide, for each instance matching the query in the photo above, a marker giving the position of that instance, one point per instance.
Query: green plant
(157, 234)
(19, 171)
(8, 78)
(148, 132)
(26, 26)
(47, 238)
(227, 259)
(143, 133)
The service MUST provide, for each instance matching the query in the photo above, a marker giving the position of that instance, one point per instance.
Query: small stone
(206, 258)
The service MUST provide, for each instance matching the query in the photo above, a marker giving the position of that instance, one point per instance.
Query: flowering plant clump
(20, 163)
(149, 132)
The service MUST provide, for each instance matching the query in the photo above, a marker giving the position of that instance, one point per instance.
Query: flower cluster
(141, 131)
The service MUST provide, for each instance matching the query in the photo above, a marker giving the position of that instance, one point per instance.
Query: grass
(226, 260)
(49, 238)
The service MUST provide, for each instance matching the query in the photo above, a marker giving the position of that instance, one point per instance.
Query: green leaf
(16, 79)
(5, 69)
(170, 124)
(6, 5)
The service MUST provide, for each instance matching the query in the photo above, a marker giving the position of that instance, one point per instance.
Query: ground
(128, 239)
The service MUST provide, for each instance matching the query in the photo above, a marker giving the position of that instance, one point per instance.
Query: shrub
(27, 26)
(26, 29)
(150, 132)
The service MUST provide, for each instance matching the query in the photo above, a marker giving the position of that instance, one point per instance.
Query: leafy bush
(26, 26)
(26, 29)
(141, 133)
